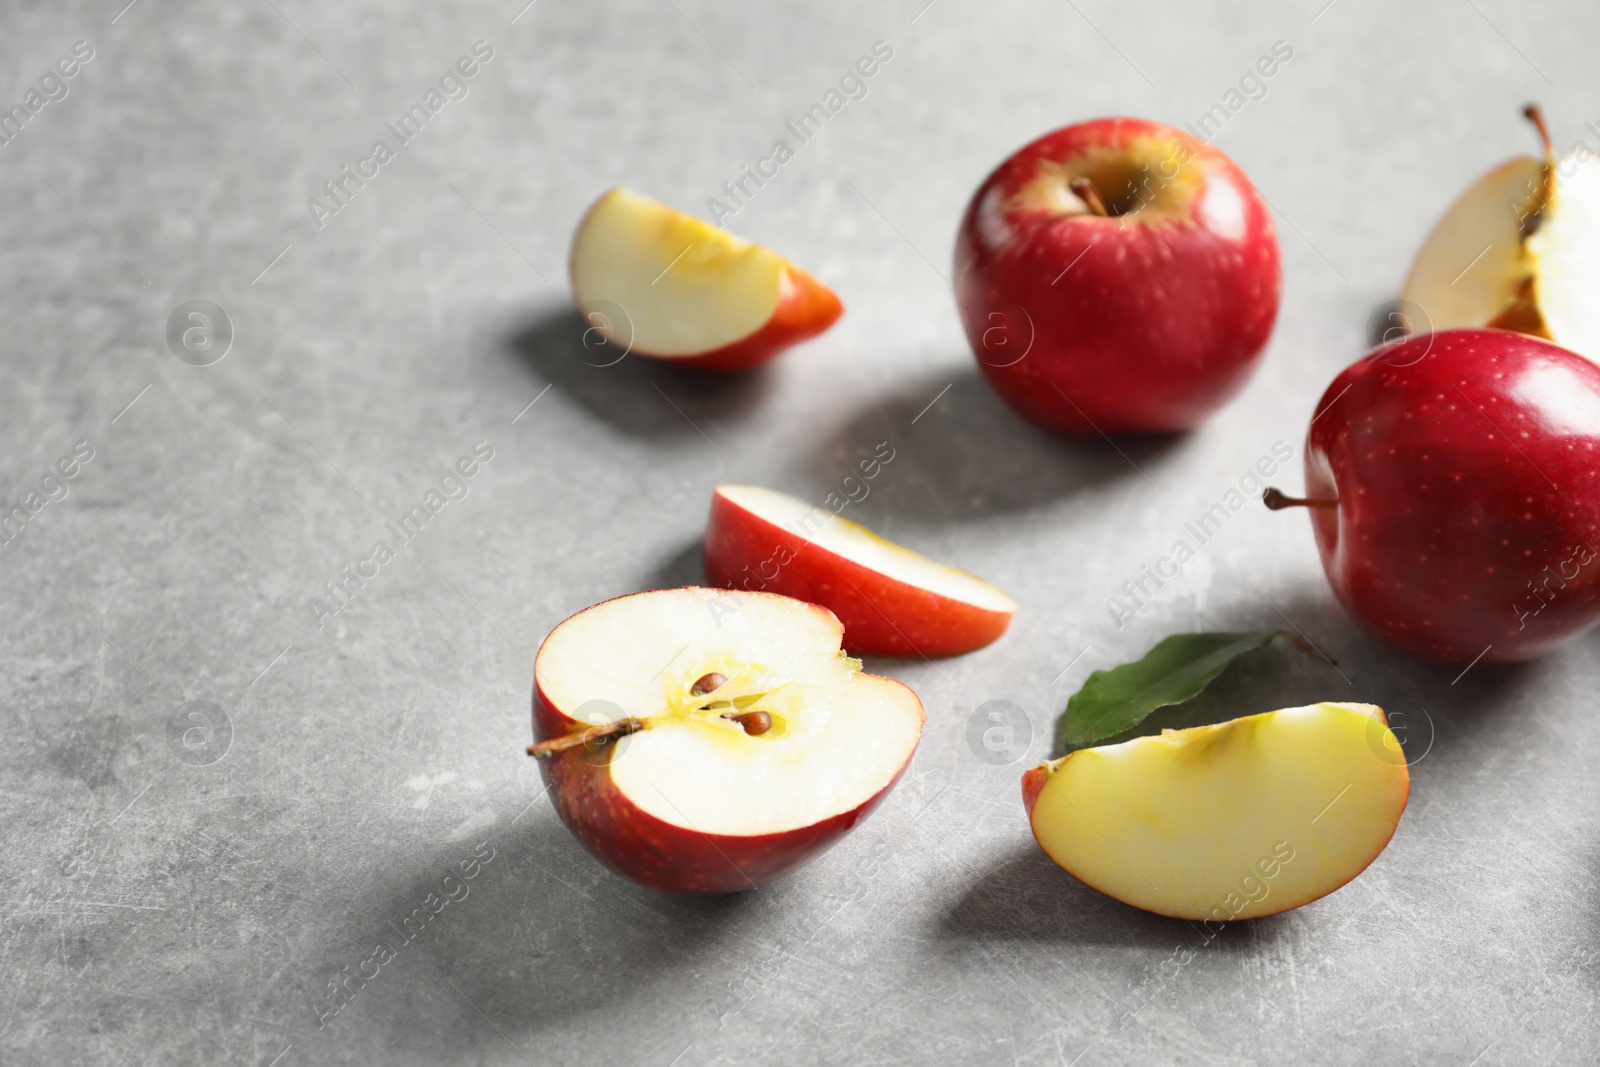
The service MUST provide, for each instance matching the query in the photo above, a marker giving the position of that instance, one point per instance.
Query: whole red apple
(711, 741)
(1117, 276)
(1454, 486)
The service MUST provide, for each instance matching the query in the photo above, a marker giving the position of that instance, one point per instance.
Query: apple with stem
(1453, 482)
(1117, 276)
(710, 741)
(1519, 250)
(664, 284)
(891, 600)
(1234, 821)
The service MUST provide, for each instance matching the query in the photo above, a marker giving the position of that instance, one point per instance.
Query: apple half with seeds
(1234, 821)
(664, 284)
(710, 741)
(891, 600)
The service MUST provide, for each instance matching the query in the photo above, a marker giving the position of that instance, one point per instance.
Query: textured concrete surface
(215, 801)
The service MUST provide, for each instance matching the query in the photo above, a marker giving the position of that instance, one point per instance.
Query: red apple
(892, 601)
(1117, 276)
(1454, 486)
(663, 284)
(709, 741)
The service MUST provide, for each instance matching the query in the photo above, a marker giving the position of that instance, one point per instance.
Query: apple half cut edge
(751, 742)
(1519, 250)
(1234, 821)
(891, 600)
(665, 284)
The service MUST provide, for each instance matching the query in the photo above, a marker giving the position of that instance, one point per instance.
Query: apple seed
(707, 683)
(755, 723)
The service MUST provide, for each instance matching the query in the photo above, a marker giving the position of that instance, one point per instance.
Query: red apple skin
(1152, 329)
(881, 615)
(1033, 781)
(1452, 541)
(806, 309)
(657, 854)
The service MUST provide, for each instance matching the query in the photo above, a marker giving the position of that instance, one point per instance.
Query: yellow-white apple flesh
(1471, 268)
(891, 600)
(1235, 821)
(1519, 250)
(693, 802)
(1564, 257)
(661, 283)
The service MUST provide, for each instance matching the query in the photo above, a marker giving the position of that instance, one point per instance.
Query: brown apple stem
(755, 723)
(1547, 176)
(1277, 501)
(1534, 114)
(620, 728)
(1084, 190)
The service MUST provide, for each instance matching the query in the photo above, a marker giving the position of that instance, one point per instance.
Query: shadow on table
(544, 934)
(629, 392)
(1028, 898)
(686, 567)
(960, 453)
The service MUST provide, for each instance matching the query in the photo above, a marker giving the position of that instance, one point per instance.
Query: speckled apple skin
(1453, 540)
(660, 855)
(1127, 328)
(881, 615)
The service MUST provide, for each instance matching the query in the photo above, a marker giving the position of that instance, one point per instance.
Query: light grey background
(156, 911)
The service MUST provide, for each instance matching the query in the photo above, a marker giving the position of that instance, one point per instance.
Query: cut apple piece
(745, 742)
(1519, 250)
(1471, 268)
(892, 601)
(1235, 821)
(664, 284)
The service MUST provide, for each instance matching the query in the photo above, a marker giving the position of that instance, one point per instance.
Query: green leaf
(1176, 670)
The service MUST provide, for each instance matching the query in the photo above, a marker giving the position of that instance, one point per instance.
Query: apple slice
(707, 741)
(1519, 250)
(1234, 821)
(667, 285)
(892, 601)
(1471, 267)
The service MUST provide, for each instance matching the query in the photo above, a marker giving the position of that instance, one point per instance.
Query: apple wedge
(707, 741)
(1235, 821)
(892, 601)
(1519, 250)
(672, 287)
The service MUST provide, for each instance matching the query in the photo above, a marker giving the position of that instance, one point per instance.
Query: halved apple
(1519, 250)
(1234, 821)
(707, 741)
(676, 288)
(892, 601)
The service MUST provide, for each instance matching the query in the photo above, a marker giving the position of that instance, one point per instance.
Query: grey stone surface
(182, 881)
